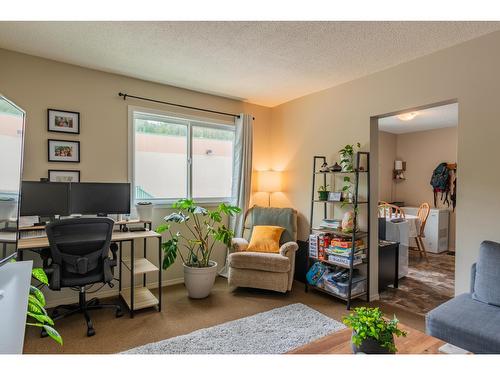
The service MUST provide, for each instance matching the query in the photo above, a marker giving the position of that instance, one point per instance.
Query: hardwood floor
(181, 315)
(427, 285)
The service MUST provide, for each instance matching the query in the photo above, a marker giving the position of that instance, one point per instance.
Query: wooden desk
(135, 298)
(415, 342)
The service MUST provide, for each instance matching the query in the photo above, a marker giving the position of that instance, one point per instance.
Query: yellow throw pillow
(265, 239)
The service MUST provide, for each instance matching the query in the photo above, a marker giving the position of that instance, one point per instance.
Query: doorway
(417, 168)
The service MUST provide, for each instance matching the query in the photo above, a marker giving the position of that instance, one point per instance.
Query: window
(177, 157)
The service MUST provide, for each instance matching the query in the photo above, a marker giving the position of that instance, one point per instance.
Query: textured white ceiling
(265, 63)
(445, 116)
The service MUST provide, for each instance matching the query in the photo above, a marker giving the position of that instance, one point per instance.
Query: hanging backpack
(440, 181)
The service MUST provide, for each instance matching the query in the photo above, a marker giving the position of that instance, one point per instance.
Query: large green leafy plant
(205, 227)
(369, 323)
(37, 315)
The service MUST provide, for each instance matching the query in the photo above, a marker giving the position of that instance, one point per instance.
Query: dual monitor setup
(48, 199)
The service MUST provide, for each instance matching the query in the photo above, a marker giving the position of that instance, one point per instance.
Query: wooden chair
(391, 211)
(423, 214)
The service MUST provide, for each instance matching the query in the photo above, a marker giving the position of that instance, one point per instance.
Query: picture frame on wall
(63, 121)
(64, 175)
(63, 151)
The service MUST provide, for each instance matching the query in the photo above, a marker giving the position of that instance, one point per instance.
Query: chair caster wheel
(119, 313)
(90, 332)
(44, 333)
(55, 313)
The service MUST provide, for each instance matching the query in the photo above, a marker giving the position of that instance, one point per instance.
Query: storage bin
(340, 288)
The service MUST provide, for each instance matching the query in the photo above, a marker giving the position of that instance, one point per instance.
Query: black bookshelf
(316, 204)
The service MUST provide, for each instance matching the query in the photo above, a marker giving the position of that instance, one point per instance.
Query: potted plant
(204, 229)
(371, 333)
(323, 192)
(347, 157)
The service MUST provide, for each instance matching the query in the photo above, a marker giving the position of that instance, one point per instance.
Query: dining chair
(391, 211)
(422, 214)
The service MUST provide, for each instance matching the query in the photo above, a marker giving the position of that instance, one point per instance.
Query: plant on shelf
(323, 192)
(347, 164)
(203, 230)
(371, 332)
(36, 314)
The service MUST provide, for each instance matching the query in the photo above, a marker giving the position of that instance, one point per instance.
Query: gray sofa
(472, 320)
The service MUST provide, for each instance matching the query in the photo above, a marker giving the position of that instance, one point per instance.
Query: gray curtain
(242, 173)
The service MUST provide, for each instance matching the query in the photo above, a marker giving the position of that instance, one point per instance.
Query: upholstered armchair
(271, 271)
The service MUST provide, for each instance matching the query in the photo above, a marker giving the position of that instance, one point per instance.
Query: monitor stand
(102, 215)
(44, 220)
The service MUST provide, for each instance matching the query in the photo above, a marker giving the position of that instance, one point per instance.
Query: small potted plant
(323, 192)
(203, 230)
(347, 157)
(371, 333)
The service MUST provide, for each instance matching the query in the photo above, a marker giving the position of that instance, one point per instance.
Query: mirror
(11, 155)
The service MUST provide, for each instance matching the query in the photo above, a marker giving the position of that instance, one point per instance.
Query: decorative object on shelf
(207, 229)
(335, 168)
(144, 211)
(335, 196)
(371, 332)
(348, 222)
(63, 151)
(399, 169)
(269, 182)
(323, 192)
(324, 168)
(63, 121)
(64, 175)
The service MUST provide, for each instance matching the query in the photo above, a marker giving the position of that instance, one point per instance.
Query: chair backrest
(390, 210)
(282, 217)
(423, 214)
(78, 246)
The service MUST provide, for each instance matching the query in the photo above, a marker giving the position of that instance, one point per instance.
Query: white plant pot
(199, 281)
(144, 212)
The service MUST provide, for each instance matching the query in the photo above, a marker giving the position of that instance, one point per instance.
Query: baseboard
(109, 292)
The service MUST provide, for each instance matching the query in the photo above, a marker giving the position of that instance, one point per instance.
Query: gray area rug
(272, 332)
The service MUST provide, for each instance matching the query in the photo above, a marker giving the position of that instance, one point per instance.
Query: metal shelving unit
(357, 173)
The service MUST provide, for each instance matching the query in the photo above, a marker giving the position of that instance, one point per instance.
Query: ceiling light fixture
(408, 116)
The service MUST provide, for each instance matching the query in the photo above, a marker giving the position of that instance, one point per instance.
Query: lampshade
(269, 181)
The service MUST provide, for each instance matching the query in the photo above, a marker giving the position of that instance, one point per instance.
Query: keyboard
(35, 233)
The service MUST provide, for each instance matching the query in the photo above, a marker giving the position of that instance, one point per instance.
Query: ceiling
(266, 63)
(445, 116)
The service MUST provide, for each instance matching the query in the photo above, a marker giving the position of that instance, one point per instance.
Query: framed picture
(64, 151)
(62, 175)
(335, 196)
(63, 121)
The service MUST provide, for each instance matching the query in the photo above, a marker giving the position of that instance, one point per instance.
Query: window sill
(211, 202)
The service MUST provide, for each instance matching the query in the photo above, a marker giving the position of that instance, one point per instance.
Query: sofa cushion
(487, 282)
(466, 323)
(259, 261)
(265, 239)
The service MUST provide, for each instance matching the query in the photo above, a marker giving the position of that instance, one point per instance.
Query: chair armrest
(472, 277)
(239, 244)
(288, 249)
(114, 249)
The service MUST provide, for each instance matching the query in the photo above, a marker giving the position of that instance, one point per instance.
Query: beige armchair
(265, 270)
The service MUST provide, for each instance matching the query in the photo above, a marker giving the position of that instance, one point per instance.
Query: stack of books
(339, 251)
(331, 224)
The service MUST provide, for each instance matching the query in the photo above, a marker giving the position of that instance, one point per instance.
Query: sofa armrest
(288, 249)
(472, 277)
(239, 244)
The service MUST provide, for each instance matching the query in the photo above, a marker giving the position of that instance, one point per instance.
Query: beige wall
(422, 151)
(36, 84)
(323, 122)
(387, 155)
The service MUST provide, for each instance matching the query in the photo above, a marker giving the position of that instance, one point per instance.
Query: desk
(134, 298)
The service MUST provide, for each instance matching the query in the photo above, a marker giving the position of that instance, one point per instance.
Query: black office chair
(79, 250)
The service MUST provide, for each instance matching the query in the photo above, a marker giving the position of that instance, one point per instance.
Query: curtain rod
(125, 96)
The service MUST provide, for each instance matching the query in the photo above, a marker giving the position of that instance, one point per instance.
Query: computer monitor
(44, 198)
(91, 198)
